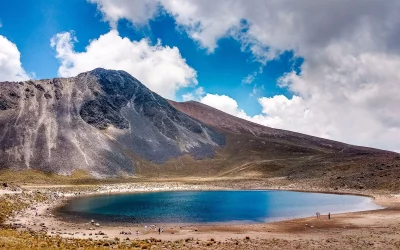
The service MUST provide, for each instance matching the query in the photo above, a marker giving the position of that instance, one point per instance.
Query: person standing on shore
(159, 230)
(329, 216)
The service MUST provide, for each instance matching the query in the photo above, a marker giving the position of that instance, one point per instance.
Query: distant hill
(231, 124)
(256, 151)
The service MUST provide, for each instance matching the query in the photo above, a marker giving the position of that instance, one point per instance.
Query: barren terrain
(377, 229)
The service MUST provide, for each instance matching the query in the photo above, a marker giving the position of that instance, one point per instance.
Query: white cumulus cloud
(136, 11)
(10, 62)
(348, 86)
(223, 103)
(195, 95)
(160, 68)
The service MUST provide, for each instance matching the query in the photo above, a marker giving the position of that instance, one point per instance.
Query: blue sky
(31, 24)
(327, 70)
(220, 72)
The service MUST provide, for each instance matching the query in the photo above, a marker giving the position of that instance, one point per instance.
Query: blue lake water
(253, 206)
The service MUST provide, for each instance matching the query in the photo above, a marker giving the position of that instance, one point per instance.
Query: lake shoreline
(283, 230)
(65, 214)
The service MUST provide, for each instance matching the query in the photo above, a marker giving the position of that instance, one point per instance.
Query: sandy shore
(374, 229)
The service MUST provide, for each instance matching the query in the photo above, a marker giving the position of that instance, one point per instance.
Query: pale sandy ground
(5, 191)
(378, 229)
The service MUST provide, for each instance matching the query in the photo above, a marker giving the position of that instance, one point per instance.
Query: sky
(325, 68)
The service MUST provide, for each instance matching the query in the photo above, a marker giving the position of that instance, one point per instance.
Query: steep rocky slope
(95, 122)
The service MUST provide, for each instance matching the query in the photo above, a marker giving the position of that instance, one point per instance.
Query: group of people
(152, 227)
(319, 215)
(155, 228)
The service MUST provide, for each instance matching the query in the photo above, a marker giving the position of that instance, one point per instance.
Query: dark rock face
(93, 122)
(9, 96)
(150, 126)
(105, 109)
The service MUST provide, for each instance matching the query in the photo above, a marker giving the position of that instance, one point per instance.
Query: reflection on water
(212, 206)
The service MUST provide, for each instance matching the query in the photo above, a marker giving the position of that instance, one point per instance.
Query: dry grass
(10, 204)
(12, 239)
(31, 176)
(39, 177)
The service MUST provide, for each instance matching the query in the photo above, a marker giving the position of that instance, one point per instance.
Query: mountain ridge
(228, 123)
(108, 124)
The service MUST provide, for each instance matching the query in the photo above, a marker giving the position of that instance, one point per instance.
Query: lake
(239, 206)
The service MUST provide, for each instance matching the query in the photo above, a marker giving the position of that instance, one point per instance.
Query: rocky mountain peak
(95, 121)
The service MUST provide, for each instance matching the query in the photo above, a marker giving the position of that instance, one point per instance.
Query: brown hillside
(253, 150)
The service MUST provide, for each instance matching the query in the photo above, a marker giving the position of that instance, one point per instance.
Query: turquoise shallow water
(211, 206)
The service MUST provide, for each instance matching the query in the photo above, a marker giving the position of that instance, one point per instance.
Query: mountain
(95, 122)
(108, 124)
